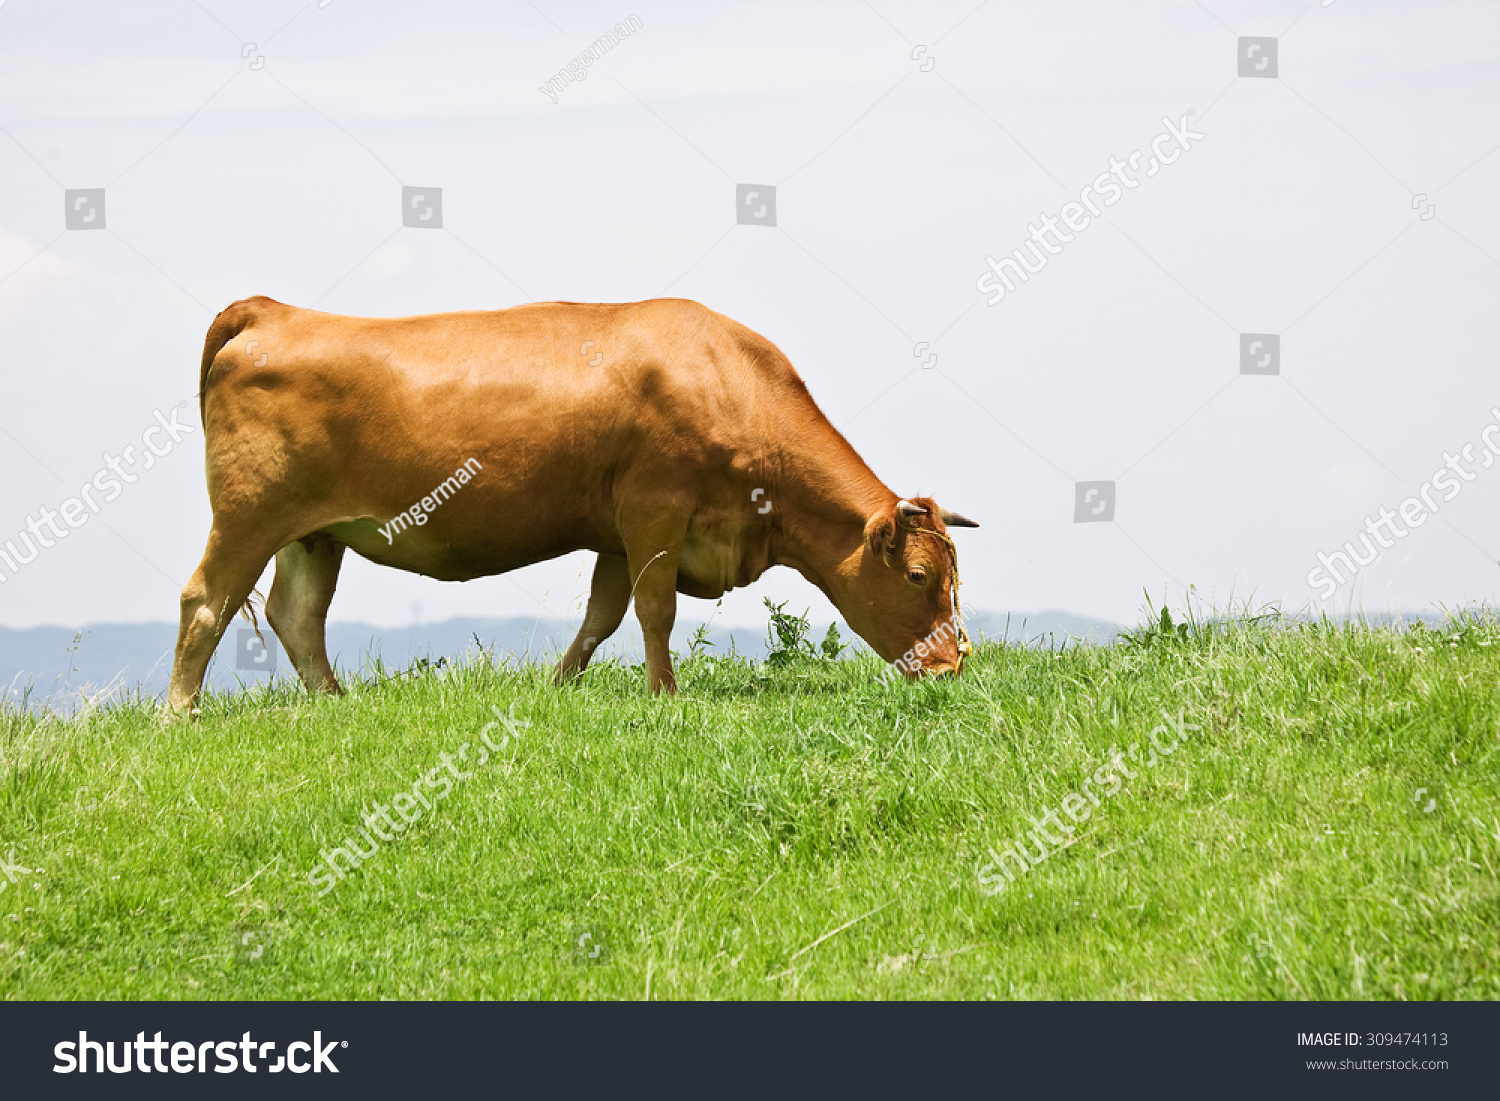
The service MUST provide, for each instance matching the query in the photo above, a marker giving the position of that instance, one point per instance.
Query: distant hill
(116, 658)
(1049, 628)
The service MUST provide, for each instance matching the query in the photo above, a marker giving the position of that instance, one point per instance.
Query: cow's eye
(916, 575)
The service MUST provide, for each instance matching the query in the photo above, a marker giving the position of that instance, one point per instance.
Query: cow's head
(904, 599)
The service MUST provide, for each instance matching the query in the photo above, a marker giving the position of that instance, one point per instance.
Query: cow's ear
(880, 533)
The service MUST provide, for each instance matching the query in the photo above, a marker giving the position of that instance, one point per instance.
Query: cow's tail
(247, 609)
(231, 321)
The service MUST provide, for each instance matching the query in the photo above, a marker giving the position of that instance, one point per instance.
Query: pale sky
(1346, 205)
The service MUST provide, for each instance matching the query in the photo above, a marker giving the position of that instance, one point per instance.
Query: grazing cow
(678, 445)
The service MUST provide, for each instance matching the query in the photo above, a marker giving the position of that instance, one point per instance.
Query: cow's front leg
(653, 580)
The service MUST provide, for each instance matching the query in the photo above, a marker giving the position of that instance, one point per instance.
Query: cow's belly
(434, 553)
(458, 544)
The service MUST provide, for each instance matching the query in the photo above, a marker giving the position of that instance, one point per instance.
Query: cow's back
(552, 367)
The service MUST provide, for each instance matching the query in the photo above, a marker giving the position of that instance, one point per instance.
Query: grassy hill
(1326, 825)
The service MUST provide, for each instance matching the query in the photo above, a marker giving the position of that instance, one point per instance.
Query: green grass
(791, 830)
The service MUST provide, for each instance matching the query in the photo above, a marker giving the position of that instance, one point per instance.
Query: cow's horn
(906, 508)
(955, 520)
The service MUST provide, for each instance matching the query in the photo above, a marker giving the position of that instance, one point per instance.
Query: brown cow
(677, 444)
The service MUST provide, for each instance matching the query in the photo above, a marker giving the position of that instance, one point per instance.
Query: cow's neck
(823, 510)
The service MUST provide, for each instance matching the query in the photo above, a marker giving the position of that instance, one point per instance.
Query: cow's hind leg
(306, 573)
(215, 592)
(609, 596)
